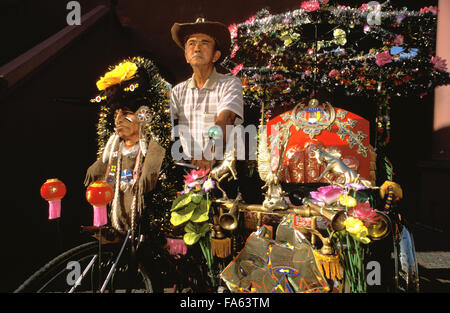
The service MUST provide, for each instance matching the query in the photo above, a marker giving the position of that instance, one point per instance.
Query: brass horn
(336, 217)
(229, 221)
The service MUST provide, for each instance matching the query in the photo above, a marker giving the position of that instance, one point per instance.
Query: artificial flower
(399, 18)
(195, 178)
(439, 63)
(237, 69)
(339, 36)
(326, 195)
(357, 229)
(234, 50)
(208, 185)
(233, 31)
(122, 72)
(431, 9)
(333, 73)
(355, 186)
(347, 201)
(310, 6)
(250, 20)
(383, 58)
(364, 7)
(365, 213)
(399, 40)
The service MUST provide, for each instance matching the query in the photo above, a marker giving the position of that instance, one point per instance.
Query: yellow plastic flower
(340, 36)
(122, 72)
(347, 200)
(357, 229)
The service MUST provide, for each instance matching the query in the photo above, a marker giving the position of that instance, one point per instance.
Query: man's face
(200, 50)
(127, 125)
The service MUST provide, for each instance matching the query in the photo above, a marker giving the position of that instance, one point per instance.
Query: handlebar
(188, 165)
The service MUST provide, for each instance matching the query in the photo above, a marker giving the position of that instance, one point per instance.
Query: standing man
(207, 98)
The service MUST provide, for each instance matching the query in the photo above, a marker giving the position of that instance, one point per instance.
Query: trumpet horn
(336, 217)
(229, 221)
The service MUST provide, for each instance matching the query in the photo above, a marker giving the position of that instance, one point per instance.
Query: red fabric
(300, 166)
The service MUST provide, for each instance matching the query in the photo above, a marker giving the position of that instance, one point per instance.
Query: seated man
(131, 159)
(207, 98)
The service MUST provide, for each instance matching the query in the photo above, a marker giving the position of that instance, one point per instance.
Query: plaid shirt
(197, 109)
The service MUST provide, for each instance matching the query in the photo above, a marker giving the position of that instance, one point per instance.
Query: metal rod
(78, 282)
(99, 255)
(187, 165)
(111, 271)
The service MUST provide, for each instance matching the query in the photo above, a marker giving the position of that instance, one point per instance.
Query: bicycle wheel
(61, 274)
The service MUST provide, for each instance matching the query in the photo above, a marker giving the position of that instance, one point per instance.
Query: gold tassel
(329, 265)
(221, 248)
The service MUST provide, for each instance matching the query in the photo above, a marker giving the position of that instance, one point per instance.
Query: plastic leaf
(201, 214)
(181, 202)
(182, 216)
(191, 238)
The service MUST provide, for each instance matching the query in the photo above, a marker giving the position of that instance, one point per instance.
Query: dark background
(44, 137)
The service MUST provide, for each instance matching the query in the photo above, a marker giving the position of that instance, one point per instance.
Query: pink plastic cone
(54, 209)
(100, 215)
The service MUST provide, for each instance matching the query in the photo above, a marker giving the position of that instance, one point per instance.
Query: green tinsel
(156, 96)
(285, 57)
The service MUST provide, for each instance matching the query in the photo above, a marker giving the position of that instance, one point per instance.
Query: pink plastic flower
(233, 31)
(327, 195)
(383, 58)
(399, 40)
(237, 69)
(196, 177)
(365, 213)
(439, 63)
(310, 6)
(234, 50)
(431, 9)
(250, 20)
(333, 73)
(364, 7)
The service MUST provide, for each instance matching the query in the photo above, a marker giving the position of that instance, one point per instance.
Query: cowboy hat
(217, 30)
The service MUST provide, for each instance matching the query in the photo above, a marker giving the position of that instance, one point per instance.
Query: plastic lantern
(53, 190)
(99, 194)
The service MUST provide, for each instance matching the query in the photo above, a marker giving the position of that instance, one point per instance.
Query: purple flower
(327, 195)
(355, 186)
(208, 185)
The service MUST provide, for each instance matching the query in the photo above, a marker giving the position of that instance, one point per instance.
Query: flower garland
(280, 60)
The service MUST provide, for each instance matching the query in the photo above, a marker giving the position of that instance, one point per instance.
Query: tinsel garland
(279, 50)
(287, 57)
(156, 96)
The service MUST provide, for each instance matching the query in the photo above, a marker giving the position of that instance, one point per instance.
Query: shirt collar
(210, 83)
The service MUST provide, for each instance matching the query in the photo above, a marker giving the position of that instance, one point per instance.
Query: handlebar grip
(389, 197)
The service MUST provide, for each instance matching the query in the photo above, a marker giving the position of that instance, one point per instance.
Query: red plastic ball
(99, 193)
(53, 189)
